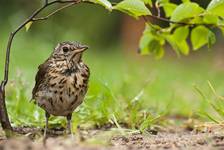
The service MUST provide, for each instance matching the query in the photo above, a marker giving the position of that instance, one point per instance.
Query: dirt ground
(204, 138)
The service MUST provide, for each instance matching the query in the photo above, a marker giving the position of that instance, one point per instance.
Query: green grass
(215, 101)
(137, 92)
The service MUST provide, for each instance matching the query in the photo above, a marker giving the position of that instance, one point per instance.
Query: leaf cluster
(189, 25)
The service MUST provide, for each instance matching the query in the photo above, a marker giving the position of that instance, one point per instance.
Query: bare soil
(205, 137)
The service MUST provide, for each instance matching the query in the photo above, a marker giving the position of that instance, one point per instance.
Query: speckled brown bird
(62, 82)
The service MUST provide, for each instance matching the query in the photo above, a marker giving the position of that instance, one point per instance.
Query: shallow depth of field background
(125, 87)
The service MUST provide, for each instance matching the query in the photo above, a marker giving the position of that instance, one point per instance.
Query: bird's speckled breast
(65, 89)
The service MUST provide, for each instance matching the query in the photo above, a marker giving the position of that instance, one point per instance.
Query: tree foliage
(186, 21)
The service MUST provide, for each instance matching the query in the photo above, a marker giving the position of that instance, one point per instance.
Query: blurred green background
(124, 85)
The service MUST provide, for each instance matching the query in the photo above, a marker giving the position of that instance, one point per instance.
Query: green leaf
(28, 25)
(178, 40)
(151, 42)
(171, 41)
(196, 20)
(181, 34)
(216, 7)
(210, 19)
(104, 3)
(199, 37)
(148, 2)
(133, 8)
(144, 41)
(159, 53)
(149, 45)
(183, 47)
(154, 46)
(185, 11)
(211, 39)
(168, 8)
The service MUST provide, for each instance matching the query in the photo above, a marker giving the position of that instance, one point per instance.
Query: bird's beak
(82, 49)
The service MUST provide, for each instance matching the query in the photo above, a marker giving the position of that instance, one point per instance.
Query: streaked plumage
(62, 81)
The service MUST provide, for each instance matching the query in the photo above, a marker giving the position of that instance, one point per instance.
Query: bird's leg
(69, 127)
(47, 115)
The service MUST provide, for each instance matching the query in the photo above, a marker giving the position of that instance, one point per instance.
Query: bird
(62, 82)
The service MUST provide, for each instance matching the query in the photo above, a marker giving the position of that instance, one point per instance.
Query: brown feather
(42, 70)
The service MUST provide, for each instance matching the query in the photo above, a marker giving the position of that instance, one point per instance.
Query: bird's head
(70, 51)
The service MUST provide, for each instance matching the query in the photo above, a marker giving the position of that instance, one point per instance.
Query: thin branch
(52, 13)
(3, 112)
(180, 23)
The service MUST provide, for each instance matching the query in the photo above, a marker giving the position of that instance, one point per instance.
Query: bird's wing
(42, 70)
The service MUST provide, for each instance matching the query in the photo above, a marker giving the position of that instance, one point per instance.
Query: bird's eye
(65, 49)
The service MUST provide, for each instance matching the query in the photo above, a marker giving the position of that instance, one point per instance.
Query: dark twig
(179, 23)
(52, 13)
(3, 111)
